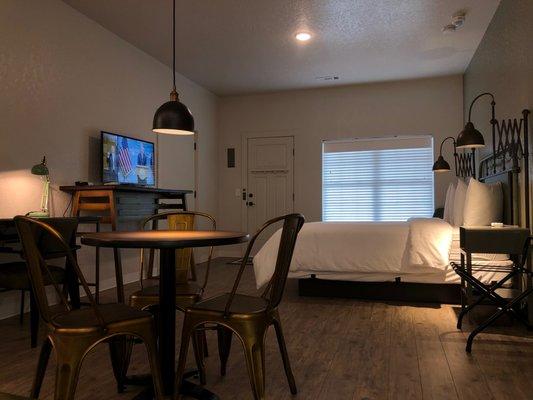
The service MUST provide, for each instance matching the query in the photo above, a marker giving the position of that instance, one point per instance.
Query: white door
(270, 181)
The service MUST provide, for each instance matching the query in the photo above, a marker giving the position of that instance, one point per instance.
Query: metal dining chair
(249, 317)
(186, 293)
(14, 275)
(72, 333)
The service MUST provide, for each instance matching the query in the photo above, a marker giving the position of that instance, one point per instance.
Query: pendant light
(173, 117)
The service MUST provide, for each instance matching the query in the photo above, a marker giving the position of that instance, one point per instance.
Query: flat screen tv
(126, 160)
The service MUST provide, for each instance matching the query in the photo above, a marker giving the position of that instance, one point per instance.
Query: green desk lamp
(42, 170)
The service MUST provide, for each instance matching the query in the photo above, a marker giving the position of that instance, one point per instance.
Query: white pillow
(483, 204)
(459, 202)
(448, 204)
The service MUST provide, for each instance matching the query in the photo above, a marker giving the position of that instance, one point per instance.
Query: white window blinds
(387, 179)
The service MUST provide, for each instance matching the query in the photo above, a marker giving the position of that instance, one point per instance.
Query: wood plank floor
(340, 349)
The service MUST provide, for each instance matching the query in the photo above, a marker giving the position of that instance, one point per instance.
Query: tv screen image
(127, 161)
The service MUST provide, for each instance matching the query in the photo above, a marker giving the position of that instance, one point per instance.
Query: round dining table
(167, 242)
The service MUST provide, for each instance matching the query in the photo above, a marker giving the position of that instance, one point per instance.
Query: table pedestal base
(187, 388)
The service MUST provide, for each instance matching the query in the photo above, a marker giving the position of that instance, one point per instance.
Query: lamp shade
(470, 138)
(41, 168)
(441, 165)
(173, 118)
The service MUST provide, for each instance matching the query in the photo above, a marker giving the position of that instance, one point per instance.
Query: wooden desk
(122, 203)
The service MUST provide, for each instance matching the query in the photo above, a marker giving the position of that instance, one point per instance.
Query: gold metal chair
(72, 333)
(188, 291)
(14, 275)
(248, 317)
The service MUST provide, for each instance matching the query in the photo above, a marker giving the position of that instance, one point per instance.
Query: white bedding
(338, 247)
(419, 250)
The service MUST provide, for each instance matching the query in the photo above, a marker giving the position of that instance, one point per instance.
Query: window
(388, 179)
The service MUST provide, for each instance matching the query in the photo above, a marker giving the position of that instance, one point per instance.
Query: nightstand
(511, 240)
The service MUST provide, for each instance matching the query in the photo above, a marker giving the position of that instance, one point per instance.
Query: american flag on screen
(124, 161)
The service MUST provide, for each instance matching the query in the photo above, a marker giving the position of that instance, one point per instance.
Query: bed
(407, 261)
(376, 260)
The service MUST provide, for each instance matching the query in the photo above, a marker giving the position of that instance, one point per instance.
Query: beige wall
(503, 65)
(63, 78)
(425, 106)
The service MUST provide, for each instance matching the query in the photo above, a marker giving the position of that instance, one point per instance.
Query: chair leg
(204, 343)
(186, 334)
(153, 358)
(34, 320)
(192, 267)
(224, 346)
(41, 369)
(198, 346)
(285, 356)
(120, 349)
(97, 276)
(254, 351)
(22, 306)
(69, 353)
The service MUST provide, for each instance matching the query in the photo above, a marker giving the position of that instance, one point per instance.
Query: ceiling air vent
(327, 78)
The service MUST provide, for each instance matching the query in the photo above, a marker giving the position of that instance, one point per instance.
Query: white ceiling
(248, 46)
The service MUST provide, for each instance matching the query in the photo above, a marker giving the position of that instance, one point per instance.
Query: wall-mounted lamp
(470, 137)
(441, 165)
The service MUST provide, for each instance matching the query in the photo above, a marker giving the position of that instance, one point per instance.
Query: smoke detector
(457, 22)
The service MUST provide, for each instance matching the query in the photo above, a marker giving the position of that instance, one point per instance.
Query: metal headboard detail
(510, 156)
(465, 164)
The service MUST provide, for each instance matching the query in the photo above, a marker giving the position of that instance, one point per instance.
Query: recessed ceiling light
(303, 36)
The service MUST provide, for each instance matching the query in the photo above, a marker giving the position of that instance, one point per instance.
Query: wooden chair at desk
(102, 204)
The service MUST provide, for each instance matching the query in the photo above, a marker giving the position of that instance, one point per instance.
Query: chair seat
(15, 276)
(242, 304)
(85, 319)
(186, 295)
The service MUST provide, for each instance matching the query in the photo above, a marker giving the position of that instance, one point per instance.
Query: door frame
(244, 162)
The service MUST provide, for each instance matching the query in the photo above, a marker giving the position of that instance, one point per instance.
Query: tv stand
(121, 203)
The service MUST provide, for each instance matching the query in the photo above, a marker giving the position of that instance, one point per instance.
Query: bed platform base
(384, 291)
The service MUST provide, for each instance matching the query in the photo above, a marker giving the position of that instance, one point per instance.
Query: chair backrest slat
(292, 223)
(179, 221)
(289, 234)
(34, 235)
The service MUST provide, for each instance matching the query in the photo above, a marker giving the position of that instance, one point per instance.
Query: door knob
(251, 204)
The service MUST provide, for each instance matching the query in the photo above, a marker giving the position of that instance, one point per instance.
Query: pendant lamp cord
(174, 44)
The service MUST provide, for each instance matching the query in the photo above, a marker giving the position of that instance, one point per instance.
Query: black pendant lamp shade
(470, 137)
(441, 165)
(173, 117)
